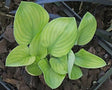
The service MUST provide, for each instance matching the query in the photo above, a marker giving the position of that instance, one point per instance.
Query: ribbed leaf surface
(87, 60)
(86, 29)
(37, 49)
(34, 69)
(59, 36)
(30, 19)
(59, 65)
(52, 78)
(76, 73)
(19, 56)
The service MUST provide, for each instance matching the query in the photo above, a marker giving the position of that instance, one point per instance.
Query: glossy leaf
(30, 19)
(86, 29)
(59, 65)
(34, 69)
(87, 60)
(59, 36)
(19, 56)
(37, 49)
(52, 78)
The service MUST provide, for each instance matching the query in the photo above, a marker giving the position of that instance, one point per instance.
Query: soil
(18, 79)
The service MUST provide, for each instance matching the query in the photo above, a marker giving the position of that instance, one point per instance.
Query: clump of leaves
(46, 47)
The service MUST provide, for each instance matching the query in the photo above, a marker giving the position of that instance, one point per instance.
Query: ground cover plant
(46, 47)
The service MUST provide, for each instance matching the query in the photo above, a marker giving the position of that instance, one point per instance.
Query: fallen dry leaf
(92, 50)
(11, 81)
(3, 46)
(1, 64)
(8, 35)
(23, 86)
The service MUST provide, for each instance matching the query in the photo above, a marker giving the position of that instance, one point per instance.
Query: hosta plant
(45, 47)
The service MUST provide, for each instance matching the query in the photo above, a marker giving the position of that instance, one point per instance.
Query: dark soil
(18, 79)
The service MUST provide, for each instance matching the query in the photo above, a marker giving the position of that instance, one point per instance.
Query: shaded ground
(20, 80)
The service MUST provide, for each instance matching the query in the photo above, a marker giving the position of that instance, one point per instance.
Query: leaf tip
(103, 63)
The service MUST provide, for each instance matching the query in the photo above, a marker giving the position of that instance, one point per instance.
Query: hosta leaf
(76, 73)
(71, 60)
(37, 49)
(30, 19)
(86, 29)
(34, 69)
(52, 78)
(88, 60)
(59, 65)
(59, 36)
(19, 56)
